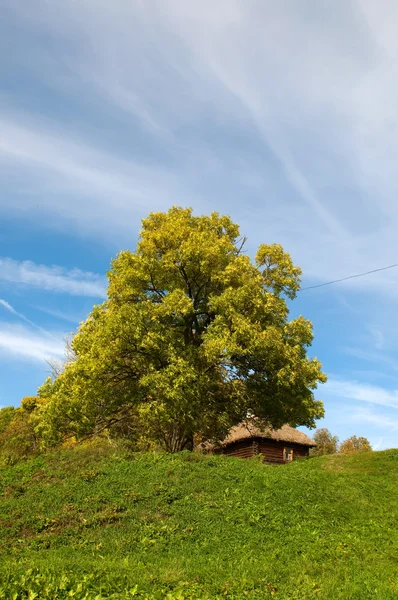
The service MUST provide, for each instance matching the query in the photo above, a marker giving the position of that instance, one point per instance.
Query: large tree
(193, 335)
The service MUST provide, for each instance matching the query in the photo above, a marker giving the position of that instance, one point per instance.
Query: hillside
(94, 523)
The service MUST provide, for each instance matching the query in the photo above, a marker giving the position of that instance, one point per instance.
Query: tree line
(326, 443)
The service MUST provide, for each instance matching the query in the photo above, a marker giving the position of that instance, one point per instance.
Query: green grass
(95, 523)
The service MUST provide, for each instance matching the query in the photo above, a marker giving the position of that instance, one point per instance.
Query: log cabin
(275, 445)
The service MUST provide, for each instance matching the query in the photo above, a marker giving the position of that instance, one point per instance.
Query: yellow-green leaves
(279, 273)
(354, 445)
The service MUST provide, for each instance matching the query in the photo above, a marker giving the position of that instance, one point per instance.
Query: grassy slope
(199, 527)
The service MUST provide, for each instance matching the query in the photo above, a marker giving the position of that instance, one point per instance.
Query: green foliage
(326, 443)
(46, 389)
(97, 522)
(355, 444)
(6, 416)
(192, 336)
(18, 438)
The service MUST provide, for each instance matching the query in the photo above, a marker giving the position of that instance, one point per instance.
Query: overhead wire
(311, 287)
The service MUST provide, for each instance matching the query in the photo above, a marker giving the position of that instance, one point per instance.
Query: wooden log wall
(273, 453)
(243, 449)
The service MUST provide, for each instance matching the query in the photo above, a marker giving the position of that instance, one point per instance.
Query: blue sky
(281, 114)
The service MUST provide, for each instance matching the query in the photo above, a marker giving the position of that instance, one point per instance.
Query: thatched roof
(250, 429)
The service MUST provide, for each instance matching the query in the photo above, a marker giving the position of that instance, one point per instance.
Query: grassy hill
(97, 523)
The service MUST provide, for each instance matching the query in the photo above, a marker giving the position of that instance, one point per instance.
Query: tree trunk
(177, 440)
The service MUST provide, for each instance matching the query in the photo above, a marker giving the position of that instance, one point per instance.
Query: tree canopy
(193, 335)
(355, 444)
(326, 443)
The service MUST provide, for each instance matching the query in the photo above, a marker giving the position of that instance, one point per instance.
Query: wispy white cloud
(56, 279)
(8, 307)
(377, 420)
(363, 392)
(21, 343)
(372, 353)
(74, 319)
(380, 427)
(378, 337)
(14, 312)
(347, 417)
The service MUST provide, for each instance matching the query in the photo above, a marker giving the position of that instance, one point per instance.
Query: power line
(311, 287)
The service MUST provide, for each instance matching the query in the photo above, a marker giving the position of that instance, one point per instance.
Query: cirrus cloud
(21, 343)
(57, 279)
